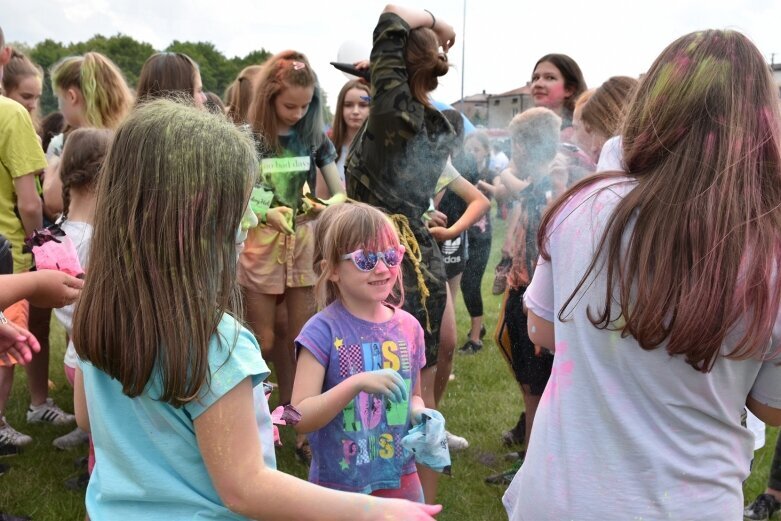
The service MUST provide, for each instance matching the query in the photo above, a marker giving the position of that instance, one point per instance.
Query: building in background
(495, 110)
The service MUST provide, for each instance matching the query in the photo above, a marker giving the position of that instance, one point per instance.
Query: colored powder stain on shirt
(367, 433)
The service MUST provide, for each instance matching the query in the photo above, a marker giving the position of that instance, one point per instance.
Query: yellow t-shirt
(20, 155)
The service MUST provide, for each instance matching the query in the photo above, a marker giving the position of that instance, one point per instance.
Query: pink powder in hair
(682, 63)
(710, 143)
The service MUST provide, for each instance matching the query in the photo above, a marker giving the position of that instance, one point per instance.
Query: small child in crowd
(80, 166)
(357, 382)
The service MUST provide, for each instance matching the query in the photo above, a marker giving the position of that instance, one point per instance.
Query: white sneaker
(456, 443)
(72, 440)
(10, 436)
(48, 412)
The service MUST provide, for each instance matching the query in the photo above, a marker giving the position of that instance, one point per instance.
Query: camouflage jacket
(402, 148)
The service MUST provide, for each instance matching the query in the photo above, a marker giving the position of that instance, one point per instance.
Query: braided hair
(82, 160)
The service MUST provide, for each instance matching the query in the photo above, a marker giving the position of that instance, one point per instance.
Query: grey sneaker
(75, 438)
(10, 436)
(762, 509)
(49, 412)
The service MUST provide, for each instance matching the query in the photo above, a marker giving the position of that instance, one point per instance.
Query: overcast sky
(504, 38)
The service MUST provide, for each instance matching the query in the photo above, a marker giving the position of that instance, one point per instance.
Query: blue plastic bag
(428, 443)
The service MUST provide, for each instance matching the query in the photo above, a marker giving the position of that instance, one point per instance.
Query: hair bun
(441, 66)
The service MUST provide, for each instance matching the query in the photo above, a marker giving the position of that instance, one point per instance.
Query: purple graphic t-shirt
(360, 449)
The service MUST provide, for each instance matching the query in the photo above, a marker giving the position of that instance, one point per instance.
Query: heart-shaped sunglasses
(366, 260)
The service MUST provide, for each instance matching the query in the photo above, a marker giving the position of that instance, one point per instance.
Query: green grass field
(481, 403)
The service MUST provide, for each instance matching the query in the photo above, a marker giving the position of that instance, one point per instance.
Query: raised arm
(421, 18)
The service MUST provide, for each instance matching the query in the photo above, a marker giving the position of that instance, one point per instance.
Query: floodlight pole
(463, 56)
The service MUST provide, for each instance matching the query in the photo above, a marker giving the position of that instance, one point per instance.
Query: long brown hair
(425, 63)
(288, 68)
(701, 141)
(167, 74)
(339, 134)
(174, 189)
(240, 96)
(604, 110)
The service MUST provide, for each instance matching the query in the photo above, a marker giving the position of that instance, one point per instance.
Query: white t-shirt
(623, 433)
(498, 162)
(56, 144)
(80, 234)
(611, 156)
(757, 428)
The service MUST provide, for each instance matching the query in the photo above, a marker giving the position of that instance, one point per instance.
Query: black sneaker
(762, 509)
(482, 331)
(4, 468)
(516, 435)
(7, 449)
(471, 347)
(77, 483)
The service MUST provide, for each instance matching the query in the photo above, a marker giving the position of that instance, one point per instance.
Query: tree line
(217, 71)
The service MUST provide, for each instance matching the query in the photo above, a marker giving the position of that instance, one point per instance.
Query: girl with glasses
(357, 382)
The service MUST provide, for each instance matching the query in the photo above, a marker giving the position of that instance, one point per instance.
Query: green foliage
(217, 71)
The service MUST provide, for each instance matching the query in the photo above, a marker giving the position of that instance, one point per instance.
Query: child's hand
(403, 510)
(445, 34)
(441, 234)
(486, 188)
(437, 218)
(416, 415)
(17, 343)
(308, 206)
(335, 199)
(54, 289)
(281, 219)
(386, 382)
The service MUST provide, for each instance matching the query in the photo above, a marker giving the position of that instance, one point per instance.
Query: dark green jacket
(396, 160)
